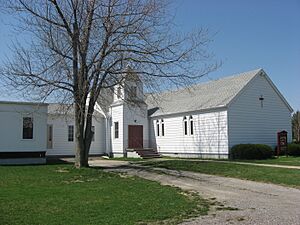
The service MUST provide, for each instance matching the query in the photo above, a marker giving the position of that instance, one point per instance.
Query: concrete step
(147, 153)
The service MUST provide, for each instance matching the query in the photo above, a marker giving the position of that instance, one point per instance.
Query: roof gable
(263, 74)
(277, 91)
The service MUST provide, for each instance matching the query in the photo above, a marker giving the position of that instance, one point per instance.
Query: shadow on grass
(111, 167)
(57, 161)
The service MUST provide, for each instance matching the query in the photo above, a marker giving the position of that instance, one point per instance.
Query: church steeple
(131, 89)
(128, 111)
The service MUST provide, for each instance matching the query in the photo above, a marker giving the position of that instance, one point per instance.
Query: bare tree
(296, 126)
(80, 47)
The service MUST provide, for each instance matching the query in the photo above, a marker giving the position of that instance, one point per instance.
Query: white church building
(204, 120)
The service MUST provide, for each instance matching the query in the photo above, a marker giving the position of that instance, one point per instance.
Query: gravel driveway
(257, 203)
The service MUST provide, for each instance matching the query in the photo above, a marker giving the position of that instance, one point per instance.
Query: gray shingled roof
(213, 94)
(57, 108)
(64, 109)
(105, 99)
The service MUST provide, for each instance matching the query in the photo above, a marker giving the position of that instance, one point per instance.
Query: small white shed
(22, 132)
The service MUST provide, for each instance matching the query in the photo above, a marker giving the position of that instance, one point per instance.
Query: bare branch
(81, 47)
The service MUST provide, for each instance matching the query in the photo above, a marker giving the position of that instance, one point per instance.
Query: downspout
(108, 134)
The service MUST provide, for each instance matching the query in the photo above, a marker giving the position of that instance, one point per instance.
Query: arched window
(162, 127)
(157, 127)
(185, 125)
(191, 125)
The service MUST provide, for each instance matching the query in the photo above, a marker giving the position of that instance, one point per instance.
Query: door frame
(49, 136)
(136, 139)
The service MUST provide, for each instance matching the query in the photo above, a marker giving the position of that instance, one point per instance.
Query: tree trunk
(80, 159)
(298, 127)
(80, 156)
(88, 138)
(79, 106)
(83, 133)
(88, 134)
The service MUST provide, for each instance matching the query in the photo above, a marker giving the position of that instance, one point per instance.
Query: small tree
(80, 47)
(296, 126)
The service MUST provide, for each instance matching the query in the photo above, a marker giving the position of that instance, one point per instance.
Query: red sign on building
(282, 143)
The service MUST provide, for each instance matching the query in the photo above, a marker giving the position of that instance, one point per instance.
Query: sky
(248, 34)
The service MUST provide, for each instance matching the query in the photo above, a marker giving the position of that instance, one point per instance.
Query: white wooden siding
(117, 144)
(210, 134)
(61, 145)
(136, 115)
(251, 123)
(127, 115)
(11, 126)
(108, 136)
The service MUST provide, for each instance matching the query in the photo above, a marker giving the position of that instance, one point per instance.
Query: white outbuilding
(22, 132)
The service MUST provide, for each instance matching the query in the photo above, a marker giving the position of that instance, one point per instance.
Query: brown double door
(135, 136)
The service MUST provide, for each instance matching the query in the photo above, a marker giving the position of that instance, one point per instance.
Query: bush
(281, 152)
(251, 151)
(294, 149)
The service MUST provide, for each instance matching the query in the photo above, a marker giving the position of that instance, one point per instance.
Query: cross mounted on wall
(261, 99)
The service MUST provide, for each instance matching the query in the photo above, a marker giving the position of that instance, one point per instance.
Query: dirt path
(257, 203)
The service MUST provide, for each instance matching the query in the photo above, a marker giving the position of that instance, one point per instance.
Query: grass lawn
(282, 160)
(289, 177)
(61, 194)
